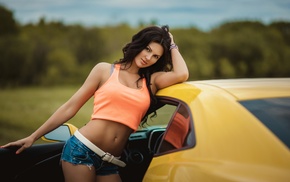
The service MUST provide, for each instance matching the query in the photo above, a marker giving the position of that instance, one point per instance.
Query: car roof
(250, 88)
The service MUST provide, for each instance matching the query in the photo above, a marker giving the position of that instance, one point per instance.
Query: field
(25, 109)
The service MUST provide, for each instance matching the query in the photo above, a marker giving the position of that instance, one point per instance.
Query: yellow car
(204, 131)
(232, 130)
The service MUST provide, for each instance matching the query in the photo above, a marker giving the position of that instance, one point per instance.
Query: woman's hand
(22, 143)
(171, 37)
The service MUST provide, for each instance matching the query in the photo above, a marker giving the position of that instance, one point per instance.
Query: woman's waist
(107, 135)
(117, 116)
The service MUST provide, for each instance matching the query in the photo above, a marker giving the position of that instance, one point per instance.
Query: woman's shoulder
(102, 67)
(101, 72)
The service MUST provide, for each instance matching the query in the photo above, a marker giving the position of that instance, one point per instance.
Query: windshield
(273, 113)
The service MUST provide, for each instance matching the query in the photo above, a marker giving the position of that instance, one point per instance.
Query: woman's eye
(148, 49)
(157, 57)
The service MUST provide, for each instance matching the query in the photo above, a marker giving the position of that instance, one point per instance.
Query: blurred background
(59, 41)
(47, 48)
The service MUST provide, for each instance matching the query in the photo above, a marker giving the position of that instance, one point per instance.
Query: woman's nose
(148, 56)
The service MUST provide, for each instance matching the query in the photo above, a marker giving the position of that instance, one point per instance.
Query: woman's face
(149, 55)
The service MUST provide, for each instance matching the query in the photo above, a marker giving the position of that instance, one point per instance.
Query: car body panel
(246, 89)
(231, 144)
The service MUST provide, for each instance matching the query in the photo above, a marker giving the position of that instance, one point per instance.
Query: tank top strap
(112, 69)
(115, 69)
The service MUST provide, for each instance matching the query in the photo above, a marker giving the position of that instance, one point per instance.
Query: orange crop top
(116, 102)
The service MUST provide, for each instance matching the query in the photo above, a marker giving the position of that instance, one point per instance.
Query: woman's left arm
(177, 75)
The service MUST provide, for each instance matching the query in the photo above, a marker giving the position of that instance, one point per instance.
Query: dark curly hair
(139, 42)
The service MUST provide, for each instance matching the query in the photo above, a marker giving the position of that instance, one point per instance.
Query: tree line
(53, 53)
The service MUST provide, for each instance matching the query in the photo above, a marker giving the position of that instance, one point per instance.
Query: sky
(202, 14)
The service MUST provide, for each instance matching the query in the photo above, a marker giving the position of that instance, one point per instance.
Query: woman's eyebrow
(151, 50)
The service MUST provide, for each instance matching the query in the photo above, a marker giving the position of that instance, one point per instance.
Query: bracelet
(173, 46)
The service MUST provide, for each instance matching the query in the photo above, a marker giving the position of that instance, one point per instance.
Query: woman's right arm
(67, 110)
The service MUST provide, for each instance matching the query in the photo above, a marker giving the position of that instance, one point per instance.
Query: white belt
(105, 156)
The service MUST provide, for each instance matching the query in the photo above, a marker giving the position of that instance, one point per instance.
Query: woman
(122, 94)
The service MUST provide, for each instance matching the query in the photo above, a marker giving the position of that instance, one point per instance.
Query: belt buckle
(109, 157)
(106, 153)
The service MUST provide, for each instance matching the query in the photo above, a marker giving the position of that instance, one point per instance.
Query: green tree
(61, 68)
(240, 43)
(8, 24)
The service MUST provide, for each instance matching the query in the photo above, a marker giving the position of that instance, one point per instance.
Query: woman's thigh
(110, 178)
(76, 173)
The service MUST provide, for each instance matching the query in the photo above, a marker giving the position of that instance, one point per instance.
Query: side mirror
(60, 134)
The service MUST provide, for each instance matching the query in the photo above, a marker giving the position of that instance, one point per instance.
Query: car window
(179, 132)
(274, 113)
(163, 115)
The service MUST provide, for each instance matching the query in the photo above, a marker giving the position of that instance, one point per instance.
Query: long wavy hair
(139, 42)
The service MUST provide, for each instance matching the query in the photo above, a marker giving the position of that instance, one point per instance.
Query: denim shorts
(76, 152)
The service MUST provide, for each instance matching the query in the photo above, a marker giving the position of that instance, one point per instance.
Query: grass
(24, 110)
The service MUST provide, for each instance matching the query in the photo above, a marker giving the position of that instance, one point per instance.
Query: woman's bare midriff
(109, 136)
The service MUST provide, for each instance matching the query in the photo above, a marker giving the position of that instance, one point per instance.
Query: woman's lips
(143, 62)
